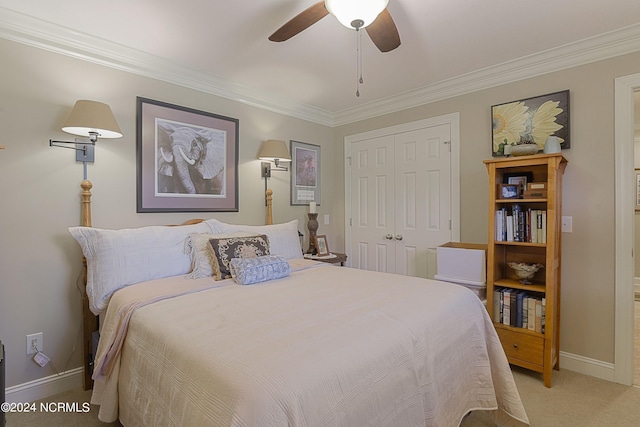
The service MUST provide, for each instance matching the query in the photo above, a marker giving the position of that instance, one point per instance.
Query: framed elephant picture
(187, 159)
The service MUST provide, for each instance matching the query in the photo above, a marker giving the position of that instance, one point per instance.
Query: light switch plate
(567, 224)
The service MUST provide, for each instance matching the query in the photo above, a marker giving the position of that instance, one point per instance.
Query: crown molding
(604, 46)
(45, 35)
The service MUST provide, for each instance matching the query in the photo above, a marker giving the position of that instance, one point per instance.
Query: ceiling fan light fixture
(350, 11)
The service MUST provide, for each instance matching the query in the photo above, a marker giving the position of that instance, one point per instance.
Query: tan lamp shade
(275, 150)
(92, 117)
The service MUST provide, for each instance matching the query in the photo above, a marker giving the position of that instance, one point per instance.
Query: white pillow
(283, 238)
(118, 258)
(215, 226)
(203, 258)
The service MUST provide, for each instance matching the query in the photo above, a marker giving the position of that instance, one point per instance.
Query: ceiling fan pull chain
(360, 48)
(359, 79)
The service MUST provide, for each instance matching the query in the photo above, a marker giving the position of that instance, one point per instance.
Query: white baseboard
(44, 387)
(587, 366)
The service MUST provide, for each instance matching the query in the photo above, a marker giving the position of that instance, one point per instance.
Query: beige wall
(39, 187)
(40, 192)
(587, 319)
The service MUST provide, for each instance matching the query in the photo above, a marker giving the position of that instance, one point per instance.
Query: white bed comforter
(325, 346)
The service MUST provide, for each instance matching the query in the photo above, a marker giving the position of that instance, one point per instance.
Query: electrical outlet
(33, 341)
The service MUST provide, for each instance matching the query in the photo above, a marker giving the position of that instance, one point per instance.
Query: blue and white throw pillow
(247, 271)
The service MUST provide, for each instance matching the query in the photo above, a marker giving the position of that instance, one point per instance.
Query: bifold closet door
(401, 207)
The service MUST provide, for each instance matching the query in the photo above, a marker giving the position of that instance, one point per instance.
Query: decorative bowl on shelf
(524, 149)
(525, 271)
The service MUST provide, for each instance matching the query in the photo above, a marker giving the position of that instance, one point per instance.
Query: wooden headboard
(90, 320)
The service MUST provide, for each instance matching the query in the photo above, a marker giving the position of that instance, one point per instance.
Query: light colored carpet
(573, 400)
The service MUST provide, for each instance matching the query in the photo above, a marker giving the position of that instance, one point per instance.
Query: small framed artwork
(520, 179)
(530, 120)
(509, 191)
(637, 189)
(187, 159)
(322, 246)
(305, 173)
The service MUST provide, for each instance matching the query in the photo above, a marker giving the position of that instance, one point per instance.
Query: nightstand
(337, 259)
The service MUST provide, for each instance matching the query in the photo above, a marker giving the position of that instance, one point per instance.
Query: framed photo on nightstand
(322, 246)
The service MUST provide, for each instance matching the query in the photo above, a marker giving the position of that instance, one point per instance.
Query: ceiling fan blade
(300, 22)
(383, 32)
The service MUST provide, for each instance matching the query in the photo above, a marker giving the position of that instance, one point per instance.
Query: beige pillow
(203, 260)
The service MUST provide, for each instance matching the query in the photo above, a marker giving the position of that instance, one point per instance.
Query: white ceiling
(444, 44)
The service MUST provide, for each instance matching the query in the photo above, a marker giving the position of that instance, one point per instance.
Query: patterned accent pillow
(203, 259)
(283, 238)
(247, 271)
(227, 248)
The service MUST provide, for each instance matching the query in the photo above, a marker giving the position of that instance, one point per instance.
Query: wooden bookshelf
(530, 349)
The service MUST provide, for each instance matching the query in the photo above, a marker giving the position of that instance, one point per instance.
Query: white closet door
(400, 200)
(422, 196)
(372, 204)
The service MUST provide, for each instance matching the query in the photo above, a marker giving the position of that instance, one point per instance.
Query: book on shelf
(538, 327)
(531, 321)
(497, 305)
(499, 224)
(516, 308)
(543, 305)
(513, 308)
(517, 225)
(519, 309)
(506, 310)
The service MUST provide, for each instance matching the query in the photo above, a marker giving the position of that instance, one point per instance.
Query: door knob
(398, 236)
(388, 237)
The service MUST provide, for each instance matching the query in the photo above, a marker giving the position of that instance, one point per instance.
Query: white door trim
(453, 119)
(624, 221)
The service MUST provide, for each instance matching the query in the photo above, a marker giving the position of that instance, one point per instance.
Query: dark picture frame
(322, 246)
(531, 120)
(517, 177)
(187, 159)
(305, 173)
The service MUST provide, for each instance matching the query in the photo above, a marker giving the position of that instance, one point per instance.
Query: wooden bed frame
(89, 320)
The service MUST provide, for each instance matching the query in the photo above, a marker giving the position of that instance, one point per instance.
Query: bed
(284, 341)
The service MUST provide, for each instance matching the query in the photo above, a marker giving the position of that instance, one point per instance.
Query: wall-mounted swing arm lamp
(275, 151)
(92, 120)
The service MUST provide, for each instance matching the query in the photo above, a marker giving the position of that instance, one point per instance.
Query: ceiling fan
(372, 15)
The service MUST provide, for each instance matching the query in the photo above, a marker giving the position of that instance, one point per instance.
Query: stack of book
(516, 308)
(521, 225)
